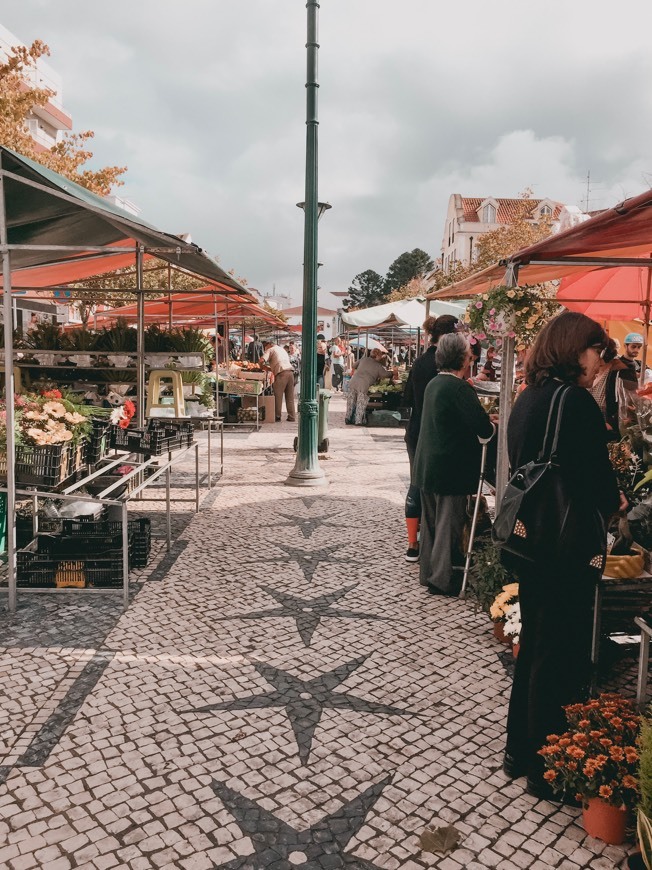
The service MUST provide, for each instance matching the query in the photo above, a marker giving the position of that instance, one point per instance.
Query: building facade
(468, 218)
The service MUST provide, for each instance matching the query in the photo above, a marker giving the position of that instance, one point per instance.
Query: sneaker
(291, 419)
(412, 554)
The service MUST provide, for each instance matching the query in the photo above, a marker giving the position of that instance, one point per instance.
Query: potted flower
(514, 312)
(512, 626)
(158, 345)
(499, 609)
(192, 346)
(487, 577)
(597, 760)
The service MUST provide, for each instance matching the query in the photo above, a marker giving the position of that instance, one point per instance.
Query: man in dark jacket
(422, 372)
(255, 350)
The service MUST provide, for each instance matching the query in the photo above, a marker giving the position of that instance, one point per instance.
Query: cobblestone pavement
(280, 693)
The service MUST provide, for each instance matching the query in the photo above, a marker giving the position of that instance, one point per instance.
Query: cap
(634, 338)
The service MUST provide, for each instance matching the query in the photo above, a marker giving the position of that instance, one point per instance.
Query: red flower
(124, 423)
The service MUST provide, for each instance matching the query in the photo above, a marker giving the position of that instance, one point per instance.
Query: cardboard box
(269, 412)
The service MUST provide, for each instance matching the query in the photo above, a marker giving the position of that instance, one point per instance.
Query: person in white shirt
(276, 359)
(337, 364)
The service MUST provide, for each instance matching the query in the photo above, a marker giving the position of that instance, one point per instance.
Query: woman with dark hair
(422, 372)
(553, 665)
(447, 463)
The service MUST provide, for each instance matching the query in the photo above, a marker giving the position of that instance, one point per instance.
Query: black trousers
(413, 498)
(553, 667)
(338, 376)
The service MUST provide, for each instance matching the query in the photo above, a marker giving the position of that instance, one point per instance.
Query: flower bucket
(45, 359)
(119, 360)
(83, 360)
(120, 389)
(604, 821)
(499, 632)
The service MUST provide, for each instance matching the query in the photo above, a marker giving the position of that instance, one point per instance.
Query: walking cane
(474, 521)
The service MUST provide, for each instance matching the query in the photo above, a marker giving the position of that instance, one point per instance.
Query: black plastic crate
(78, 535)
(152, 442)
(98, 444)
(49, 465)
(38, 566)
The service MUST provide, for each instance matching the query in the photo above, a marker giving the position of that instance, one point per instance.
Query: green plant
(158, 340)
(194, 378)
(120, 338)
(487, 576)
(18, 338)
(46, 335)
(191, 340)
(82, 339)
(644, 820)
(207, 396)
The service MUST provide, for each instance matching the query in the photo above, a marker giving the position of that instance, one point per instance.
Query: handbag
(540, 521)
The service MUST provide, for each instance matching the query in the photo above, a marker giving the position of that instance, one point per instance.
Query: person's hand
(494, 418)
(624, 504)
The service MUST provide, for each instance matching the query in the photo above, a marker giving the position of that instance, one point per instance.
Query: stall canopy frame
(53, 232)
(620, 237)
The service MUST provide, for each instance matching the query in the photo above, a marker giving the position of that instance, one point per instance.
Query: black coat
(421, 373)
(583, 456)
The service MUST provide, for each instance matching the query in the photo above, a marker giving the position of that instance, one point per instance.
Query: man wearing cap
(277, 360)
(633, 345)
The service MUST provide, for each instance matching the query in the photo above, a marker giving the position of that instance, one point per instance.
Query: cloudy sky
(204, 101)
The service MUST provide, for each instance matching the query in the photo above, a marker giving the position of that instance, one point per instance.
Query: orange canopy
(608, 294)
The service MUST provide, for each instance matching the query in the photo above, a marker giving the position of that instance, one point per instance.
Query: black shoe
(513, 768)
(435, 590)
(540, 789)
(278, 419)
(412, 554)
(291, 419)
(349, 422)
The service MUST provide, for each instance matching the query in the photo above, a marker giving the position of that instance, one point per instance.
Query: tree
(411, 264)
(418, 286)
(111, 288)
(17, 98)
(367, 288)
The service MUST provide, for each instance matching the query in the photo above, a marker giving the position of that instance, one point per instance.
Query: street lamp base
(306, 478)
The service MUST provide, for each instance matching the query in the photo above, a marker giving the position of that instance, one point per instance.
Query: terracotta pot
(499, 632)
(604, 822)
(515, 649)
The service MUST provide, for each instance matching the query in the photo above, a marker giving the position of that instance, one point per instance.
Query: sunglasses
(607, 354)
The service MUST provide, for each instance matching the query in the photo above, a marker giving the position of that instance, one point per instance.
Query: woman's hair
(452, 352)
(438, 326)
(557, 349)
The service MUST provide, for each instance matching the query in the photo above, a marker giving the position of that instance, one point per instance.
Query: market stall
(53, 232)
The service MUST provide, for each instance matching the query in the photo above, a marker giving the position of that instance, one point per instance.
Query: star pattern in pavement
(305, 700)
(309, 560)
(278, 846)
(307, 612)
(307, 525)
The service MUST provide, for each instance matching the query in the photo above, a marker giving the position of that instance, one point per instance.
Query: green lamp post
(307, 471)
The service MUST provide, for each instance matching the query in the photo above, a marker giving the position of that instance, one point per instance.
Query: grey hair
(452, 350)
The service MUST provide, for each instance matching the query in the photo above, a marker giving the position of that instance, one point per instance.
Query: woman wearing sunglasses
(553, 666)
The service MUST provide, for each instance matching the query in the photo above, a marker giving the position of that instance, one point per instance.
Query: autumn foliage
(17, 98)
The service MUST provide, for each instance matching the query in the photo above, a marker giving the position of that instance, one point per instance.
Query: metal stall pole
(10, 410)
(646, 332)
(506, 387)
(217, 392)
(168, 522)
(125, 556)
(170, 322)
(197, 500)
(140, 346)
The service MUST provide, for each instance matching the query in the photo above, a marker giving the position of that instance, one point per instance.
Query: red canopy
(608, 294)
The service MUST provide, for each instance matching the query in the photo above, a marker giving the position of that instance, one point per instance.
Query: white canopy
(407, 313)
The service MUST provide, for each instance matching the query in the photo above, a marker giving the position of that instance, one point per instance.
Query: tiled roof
(508, 209)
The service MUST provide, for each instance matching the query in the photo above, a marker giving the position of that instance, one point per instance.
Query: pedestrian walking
(277, 360)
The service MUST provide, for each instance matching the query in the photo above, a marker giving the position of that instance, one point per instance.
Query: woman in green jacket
(447, 463)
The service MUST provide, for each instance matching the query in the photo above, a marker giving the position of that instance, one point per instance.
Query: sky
(204, 102)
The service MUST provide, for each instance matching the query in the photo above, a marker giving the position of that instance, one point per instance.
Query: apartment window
(489, 214)
(546, 211)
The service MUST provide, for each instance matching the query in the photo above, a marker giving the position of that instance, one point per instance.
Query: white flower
(512, 627)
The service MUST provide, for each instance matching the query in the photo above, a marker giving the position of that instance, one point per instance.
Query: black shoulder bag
(540, 521)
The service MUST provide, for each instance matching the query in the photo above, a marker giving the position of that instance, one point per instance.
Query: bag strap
(546, 453)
